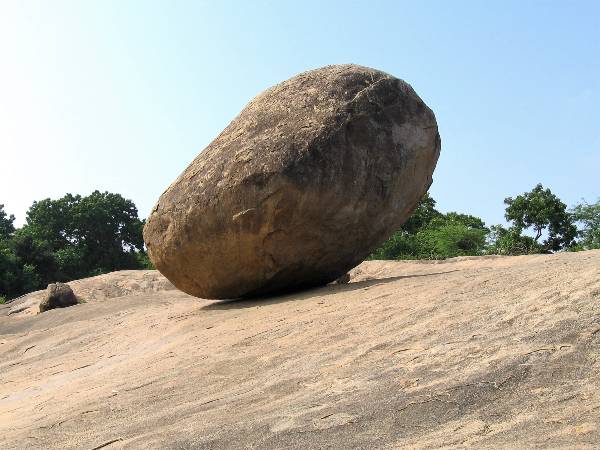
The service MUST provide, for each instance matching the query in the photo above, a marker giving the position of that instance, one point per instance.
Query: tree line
(539, 222)
(76, 237)
(69, 238)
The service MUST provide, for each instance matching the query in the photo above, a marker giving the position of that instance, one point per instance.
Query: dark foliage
(70, 238)
(588, 216)
(541, 211)
(429, 234)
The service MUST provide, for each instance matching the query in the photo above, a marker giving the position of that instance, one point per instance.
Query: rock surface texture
(58, 295)
(470, 353)
(312, 175)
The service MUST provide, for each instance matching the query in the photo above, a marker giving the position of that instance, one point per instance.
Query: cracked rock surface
(488, 353)
(304, 183)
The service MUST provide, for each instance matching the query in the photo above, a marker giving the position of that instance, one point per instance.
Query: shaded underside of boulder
(311, 176)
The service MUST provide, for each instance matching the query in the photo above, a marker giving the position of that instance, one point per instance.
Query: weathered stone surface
(58, 295)
(303, 184)
(474, 352)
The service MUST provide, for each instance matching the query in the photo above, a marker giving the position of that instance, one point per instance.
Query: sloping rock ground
(496, 352)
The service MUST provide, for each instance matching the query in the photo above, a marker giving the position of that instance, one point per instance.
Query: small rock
(58, 295)
(344, 279)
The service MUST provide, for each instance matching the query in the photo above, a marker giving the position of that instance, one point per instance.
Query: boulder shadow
(300, 295)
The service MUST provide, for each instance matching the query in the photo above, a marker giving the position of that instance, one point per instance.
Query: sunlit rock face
(301, 186)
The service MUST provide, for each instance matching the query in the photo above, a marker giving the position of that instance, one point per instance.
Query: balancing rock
(301, 186)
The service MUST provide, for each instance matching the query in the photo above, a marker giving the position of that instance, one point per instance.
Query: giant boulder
(300, 187)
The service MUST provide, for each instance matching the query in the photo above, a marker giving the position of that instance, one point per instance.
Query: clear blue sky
(122, 95)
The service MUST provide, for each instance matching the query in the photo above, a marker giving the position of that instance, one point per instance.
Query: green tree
(467, 220)
(510, 241)
(588, 215)
(400, 245)
(88, 235)
(423, 214)
(7, 227)
(429, 234)
(541, 211)
(10, 272)
(450, 235)
(449, 240)
(11, 269)
(51, 221)
(403, 244)
(39, 258)
(16, 278)
(143, 261)
(69, 238)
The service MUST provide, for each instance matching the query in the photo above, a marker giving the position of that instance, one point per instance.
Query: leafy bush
(7, 227)
(543, 211)
(429, 234)
(450, 239)
(69, 238)
(143, 261)
(510, 241)
(588, 215)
